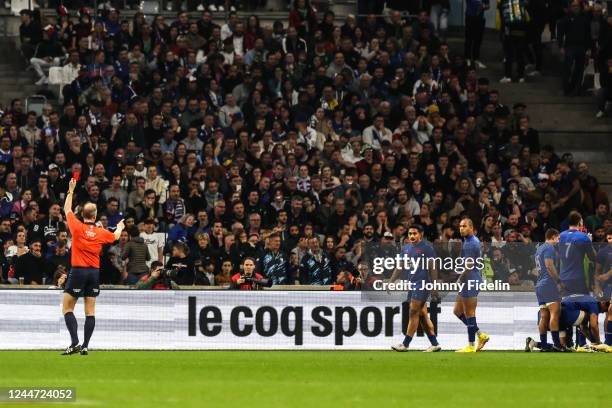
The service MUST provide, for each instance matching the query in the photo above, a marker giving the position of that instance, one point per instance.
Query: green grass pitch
(315, 378)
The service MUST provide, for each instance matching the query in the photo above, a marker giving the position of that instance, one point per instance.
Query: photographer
(182, 263)
(158, 278)
(247, 279)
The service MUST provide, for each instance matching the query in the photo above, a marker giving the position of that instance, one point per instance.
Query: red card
(76, 175)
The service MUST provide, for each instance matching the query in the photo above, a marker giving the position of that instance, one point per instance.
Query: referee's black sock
(71, 324)
(90, 323)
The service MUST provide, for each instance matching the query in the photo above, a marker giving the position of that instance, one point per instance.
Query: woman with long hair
(252, 31)
(137, 22)
(303, 18)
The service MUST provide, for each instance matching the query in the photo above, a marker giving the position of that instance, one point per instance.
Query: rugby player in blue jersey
(467, 298)
(574, 245)
(420, 276)
(548, 289)
(580, 311)
(603, 281)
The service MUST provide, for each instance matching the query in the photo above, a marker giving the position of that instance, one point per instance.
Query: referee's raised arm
(68, 202)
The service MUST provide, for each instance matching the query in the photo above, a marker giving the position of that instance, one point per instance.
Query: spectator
(59, 260)
(474, 30)
(59, 279)
(573, 36)
(30, 33)
(225, 277)
(31, 265)
(135, 254)
(273, 262)
(438, 12)
(48, 54)
(602, 213)
(604, 94)
(182, 263)
(182, 231)
(155, 241)
(303, 18)
(117, 192)
(315, 266)
(112, 212)
(515, 27)
(174, 206)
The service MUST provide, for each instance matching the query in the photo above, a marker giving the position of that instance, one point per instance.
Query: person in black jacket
(48, 54)
(538, 12)
(515, 28)
(183, 263)
(29, 33)
(574, 37)
(31, 266)
(604, 94)
(136, 254)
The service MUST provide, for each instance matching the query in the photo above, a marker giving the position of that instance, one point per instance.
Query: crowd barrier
(267, 320)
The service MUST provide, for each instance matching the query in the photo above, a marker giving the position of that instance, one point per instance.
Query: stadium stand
(226, 133)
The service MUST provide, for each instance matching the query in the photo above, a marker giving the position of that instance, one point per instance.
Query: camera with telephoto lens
(168, 273)
(251, 279)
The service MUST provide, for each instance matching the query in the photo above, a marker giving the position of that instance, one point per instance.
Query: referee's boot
(72, 350)
(84, 351)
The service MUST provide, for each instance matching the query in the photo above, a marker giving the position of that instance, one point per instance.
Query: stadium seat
(35, 103)
(56, 77)
(150, 7)
(18, 5)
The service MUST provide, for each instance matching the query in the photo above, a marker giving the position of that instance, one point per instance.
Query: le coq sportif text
(267, 321)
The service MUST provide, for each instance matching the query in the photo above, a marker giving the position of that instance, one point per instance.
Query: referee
(84, 277)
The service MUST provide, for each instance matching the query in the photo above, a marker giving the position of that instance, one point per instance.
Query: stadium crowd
(301, 145)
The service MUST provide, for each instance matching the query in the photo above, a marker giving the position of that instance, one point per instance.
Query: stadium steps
(15, 81)
(567, 123)
(274, 10)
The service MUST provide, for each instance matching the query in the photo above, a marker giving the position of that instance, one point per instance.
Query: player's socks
(433, 340)
(543, 339)
(609, 333)
(555, 337)
(472, 329)
(407, 341)
(71, 324)
(90, 324)
(580, 339)
(463, 319)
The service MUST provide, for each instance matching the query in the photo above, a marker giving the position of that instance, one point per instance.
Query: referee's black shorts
(83, 282)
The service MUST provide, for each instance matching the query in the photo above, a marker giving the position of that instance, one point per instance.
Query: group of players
(467, 298)
(563, 295)
(562, 292)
